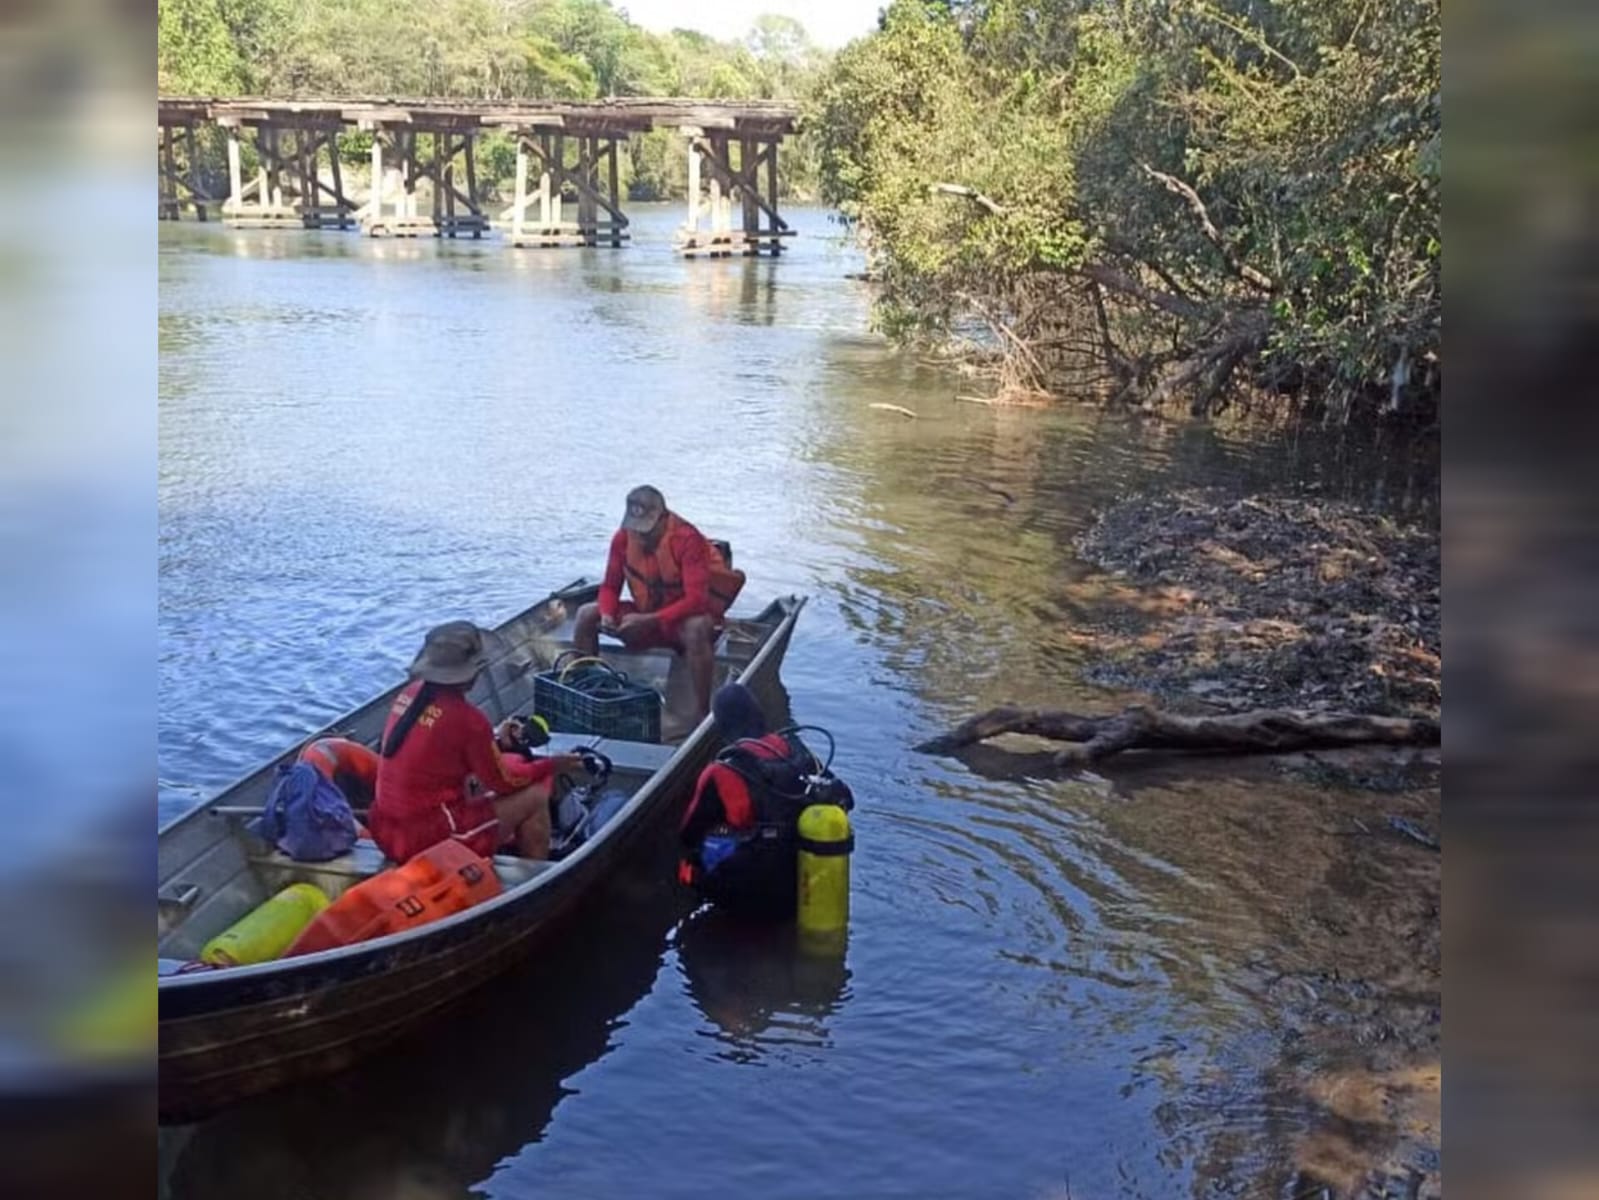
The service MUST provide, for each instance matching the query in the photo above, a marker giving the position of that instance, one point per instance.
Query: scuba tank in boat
(267, 931)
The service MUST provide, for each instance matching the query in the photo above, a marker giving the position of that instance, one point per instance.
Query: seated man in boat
(441, 774)
(740, 832)
(678, 584)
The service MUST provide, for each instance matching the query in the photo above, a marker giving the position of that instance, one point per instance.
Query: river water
(1051, 986)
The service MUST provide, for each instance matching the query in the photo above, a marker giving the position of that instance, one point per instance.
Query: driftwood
(897, 409)
(1261, 731)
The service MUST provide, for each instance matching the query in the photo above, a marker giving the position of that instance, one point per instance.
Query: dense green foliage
(1155, 197)
(484, 50)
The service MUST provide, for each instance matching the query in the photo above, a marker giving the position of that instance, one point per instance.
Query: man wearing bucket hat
(441, 774)
(679, 588)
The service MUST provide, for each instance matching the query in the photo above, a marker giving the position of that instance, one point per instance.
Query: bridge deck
(623, 115)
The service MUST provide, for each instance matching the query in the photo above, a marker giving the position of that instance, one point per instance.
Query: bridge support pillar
(444, 162)
(181, 186)
(585, 162)
(710, 155)
(290, 189)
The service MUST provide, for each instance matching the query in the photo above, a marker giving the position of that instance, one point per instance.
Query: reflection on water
(759, 985)
(1045, 979)
(438, 1111)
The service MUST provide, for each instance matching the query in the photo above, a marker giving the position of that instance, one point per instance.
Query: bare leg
(700, 654)
(527, 814)
(586, 630)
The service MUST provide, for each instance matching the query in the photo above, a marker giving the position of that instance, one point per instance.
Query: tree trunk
(1260, 731)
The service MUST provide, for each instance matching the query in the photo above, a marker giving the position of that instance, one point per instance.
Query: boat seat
(363, 860)
(567, 743)
(643, 757)
(740, 639)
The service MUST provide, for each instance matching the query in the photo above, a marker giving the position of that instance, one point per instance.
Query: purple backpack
(306, 816)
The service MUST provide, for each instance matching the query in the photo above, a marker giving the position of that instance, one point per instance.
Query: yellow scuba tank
(267, 931)
(825, 842)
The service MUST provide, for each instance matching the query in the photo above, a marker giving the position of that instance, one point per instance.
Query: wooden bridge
(424, 149)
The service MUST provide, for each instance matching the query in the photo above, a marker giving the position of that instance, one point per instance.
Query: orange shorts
(666, 634)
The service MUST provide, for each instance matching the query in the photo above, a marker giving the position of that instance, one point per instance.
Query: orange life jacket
(442, 880)
(338, 759)
(655, 579)
(348, 766)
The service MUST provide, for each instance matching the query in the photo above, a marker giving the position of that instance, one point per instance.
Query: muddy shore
(1270, 602)
(1273, 603)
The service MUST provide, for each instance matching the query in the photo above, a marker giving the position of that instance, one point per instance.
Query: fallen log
(1260, 731)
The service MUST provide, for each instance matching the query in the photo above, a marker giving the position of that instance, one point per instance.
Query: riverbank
(1289, 603)
(1270, 602)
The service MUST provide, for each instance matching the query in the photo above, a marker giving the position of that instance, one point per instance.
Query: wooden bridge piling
(288, 190)
(710, 152)
(183, 186)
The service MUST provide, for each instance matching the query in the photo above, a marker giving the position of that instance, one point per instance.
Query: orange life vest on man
(655, 578)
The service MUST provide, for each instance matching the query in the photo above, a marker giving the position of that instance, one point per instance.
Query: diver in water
(740, 834)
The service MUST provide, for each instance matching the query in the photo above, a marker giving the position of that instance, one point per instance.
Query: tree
(478, 49)
(195, 53)
(1151, 198)
(783, 55)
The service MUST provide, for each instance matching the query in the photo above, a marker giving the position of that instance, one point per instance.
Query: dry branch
(1005, 331)
(970, 193)
(1213, 235)
(1252, 36)
(898, 409)
(1119, 281)
(1260, 731)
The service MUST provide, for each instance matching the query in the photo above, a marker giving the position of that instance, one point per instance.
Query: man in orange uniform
(678, 584)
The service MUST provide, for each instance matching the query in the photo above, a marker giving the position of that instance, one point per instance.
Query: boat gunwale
(550, 876)
(581, 583)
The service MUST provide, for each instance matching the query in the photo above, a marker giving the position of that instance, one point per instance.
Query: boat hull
(227, 1035)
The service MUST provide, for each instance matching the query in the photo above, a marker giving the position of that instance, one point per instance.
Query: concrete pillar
(520, 204)
(694, 187)
(376, 209)
(235, 173)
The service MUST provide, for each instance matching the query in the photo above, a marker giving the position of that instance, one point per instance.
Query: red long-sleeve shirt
(693, 555)
(451, 741)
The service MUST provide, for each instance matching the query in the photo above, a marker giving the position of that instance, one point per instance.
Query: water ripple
(1043, 977)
